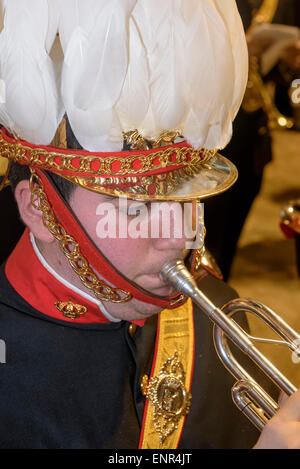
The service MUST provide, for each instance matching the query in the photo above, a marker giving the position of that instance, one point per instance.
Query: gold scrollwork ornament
(169, 398)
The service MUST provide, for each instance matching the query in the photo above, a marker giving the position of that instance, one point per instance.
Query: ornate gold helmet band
(174, 172)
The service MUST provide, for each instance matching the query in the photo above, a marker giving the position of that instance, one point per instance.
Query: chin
(134, 310)
(146, 310)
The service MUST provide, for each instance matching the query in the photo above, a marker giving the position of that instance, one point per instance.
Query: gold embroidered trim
(169, 397)
(160, 185)
(167, 392)
(110, 166)
(136, 141)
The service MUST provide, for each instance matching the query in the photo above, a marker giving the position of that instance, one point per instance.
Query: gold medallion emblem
(168, 396)
(70, 310)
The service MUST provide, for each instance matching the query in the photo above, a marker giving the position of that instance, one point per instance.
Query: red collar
(44, 292)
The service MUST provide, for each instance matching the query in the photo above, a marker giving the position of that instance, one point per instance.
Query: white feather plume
(53, 21)
(163, 31)
(32, 108)
(123, 64)
(134, 101)
(76, 13)
(96, 61)
(210, 79)
(230, 14)
(2, 5)
(3, 115)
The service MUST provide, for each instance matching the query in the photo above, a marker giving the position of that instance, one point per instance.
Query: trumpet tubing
(247, 394)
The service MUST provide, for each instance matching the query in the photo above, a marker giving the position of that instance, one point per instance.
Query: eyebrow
(115, 199)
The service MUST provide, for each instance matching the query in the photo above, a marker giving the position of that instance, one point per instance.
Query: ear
(31, 216)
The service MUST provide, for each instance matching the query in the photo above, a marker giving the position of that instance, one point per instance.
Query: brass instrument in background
(290, 217)
(247, 394)
(290, 225)
(258, 95)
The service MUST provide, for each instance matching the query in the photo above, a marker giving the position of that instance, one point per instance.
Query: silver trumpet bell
(247, 394)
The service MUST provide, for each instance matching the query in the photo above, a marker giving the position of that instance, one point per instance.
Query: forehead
(84, 197)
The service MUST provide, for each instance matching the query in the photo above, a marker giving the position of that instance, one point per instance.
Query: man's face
(138, 259)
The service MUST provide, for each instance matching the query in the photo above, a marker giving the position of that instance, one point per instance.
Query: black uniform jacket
(70, 385)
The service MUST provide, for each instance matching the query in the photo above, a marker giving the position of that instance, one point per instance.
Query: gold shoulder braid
(168, 390)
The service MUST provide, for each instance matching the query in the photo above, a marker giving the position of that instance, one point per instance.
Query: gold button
(132, 330)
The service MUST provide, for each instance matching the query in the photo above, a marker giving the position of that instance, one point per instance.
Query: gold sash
(168, 390)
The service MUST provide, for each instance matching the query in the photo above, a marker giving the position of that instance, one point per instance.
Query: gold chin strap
(70, 247)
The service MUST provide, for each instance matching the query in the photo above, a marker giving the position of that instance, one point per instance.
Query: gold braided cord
(97, 166)
(71, 248)
(164, 184)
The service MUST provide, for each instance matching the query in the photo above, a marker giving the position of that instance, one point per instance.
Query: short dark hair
(20, 172)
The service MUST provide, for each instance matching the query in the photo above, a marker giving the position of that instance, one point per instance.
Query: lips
(153, 281)
(155, 284)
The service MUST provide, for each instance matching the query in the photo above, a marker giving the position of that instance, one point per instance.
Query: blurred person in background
(251, 146)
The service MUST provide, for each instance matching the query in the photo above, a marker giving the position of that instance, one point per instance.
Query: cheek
(132, 310)
(125, 253)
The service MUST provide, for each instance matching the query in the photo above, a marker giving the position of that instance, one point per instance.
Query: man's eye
(134, 210)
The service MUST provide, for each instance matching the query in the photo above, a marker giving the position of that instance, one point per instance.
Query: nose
(171, 228)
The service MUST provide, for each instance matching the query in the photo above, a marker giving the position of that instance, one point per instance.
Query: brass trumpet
(247, 394)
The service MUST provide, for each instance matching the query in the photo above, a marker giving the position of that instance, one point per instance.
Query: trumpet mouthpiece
(176, 274)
